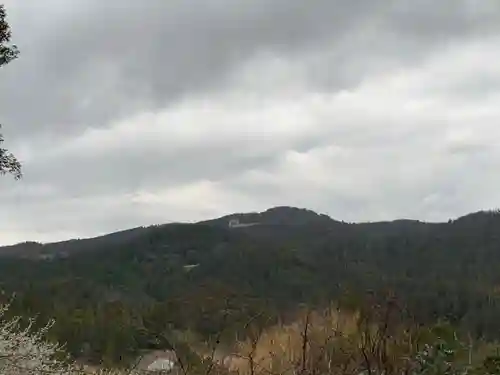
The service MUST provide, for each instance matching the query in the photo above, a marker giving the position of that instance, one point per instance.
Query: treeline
(114, 296)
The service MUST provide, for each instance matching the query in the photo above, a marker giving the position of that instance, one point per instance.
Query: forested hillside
(114, 295)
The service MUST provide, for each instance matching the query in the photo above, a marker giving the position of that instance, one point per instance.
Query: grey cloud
(138, 55)
(95, 61)
(443, 20)
(84, 216)
(147, 169)
(90, 63)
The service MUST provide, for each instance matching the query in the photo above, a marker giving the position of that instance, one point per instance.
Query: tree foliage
(130, 290)
(8, 52)
(25, 350)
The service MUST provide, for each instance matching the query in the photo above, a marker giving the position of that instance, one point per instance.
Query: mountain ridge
(175, 273)
(278, 216)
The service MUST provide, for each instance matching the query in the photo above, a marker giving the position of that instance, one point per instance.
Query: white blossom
(26, 351)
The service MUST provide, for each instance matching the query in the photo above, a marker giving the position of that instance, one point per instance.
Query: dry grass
(285, 348)
(327, 342)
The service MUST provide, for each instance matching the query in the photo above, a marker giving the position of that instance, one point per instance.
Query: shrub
(24, 350)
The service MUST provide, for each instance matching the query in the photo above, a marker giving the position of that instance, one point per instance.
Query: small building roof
(158, 360)
(161, 364)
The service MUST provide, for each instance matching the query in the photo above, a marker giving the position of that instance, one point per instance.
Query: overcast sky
(128, 113)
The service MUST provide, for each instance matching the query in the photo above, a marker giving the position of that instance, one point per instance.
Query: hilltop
(273, 221)
(132, 285)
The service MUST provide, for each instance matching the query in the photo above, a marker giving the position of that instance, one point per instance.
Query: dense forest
(114, 295)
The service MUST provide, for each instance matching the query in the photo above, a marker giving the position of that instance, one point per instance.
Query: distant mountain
(65, 248)
(274, 222)
(163, 276)
(289, 216)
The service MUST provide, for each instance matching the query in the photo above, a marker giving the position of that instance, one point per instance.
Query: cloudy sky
(128, 113)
